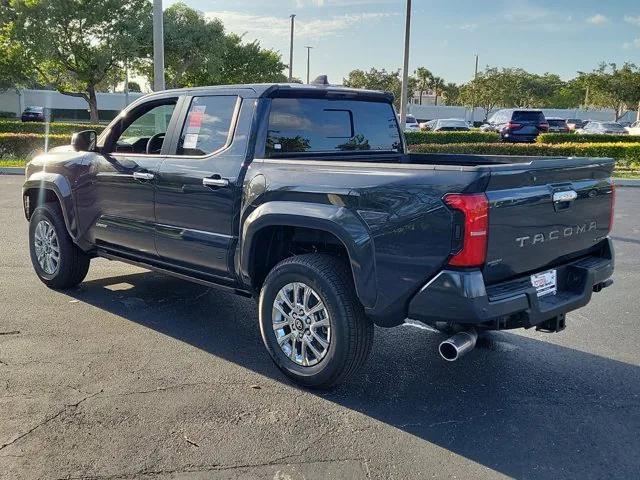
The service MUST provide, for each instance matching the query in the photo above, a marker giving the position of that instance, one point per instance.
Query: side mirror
(84, 141)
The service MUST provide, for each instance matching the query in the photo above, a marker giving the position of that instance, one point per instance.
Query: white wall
(12, 101)
(430, 112)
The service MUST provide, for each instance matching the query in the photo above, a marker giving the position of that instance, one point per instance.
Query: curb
(627, 182)
(12, 171)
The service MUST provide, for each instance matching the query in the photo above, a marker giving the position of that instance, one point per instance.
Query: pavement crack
(12, 332)
(49, 419)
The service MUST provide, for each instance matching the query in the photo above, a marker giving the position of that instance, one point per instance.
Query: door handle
(143, 176)
(215, 182)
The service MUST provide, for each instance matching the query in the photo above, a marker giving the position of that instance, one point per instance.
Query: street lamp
(405, 70)
(308, 61)
(293, 21)
(158, 47)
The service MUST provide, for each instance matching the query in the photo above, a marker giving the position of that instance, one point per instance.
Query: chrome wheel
(301, 324)
(47, 247)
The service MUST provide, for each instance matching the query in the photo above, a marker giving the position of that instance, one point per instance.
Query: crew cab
(306, 198)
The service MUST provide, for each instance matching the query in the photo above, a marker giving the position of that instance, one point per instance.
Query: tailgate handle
(566, 196)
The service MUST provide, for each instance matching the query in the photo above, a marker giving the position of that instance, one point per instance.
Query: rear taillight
(514, 126)
(613, 204)
(475, 211)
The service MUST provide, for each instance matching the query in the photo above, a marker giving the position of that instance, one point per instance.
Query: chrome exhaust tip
(461, 343)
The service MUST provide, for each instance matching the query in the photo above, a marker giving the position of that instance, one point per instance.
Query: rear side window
(528, 116)
(207, 126)
(313, 125)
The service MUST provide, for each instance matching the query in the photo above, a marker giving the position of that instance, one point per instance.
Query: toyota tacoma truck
(306, 198)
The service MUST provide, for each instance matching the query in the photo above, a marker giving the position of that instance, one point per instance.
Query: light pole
(158, 47)
(473, 97)
(293, 22)
(405, 70)
(308, 61)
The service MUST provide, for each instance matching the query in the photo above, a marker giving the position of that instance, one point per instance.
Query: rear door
(198, 186)
(546, 213)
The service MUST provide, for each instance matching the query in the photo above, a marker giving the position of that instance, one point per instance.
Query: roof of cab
(257, 90)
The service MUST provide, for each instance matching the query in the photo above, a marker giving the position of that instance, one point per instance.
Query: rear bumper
(461, 297)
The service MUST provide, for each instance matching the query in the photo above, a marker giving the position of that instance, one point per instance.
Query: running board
(150, 266)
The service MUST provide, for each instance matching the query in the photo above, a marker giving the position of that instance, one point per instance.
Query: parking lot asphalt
(139, 375)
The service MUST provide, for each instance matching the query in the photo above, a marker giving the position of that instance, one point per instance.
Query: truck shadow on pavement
(523, 407)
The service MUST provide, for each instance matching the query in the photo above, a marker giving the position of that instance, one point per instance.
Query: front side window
(206, 128)
(315, 125)
(145, 130)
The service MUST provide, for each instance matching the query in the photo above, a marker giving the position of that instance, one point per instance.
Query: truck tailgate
(546, 212)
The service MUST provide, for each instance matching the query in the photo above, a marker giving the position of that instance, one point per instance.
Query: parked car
(634, 128)
(428, 126)
(518, 125)
(451, 125)
(576, 123)
(33, 114)
(603, 128)
(304, 198)
(411, 124)
(558, 125)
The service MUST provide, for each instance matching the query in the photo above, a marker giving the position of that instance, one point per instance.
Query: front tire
(58, 262)
(311, 321)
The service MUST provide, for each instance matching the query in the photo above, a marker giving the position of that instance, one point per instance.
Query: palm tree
(437, 85)
(424, 78)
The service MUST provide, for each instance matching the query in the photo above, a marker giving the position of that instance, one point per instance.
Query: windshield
(306, 125)
(527, 116)
(452, 123)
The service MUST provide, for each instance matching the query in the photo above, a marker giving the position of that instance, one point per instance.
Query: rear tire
(58, 262)
(341, 341)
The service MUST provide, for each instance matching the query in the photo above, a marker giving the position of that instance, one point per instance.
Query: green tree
(74, 44)
(487, 91)
(199, 52)
(382, 80)
(423, 81)
(451, 93)
(437, 86)
(611, 87)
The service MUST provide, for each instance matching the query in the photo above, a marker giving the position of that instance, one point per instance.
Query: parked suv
(558, 125)
(518, 125)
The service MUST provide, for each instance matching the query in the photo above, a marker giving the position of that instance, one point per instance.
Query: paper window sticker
(196, 116)
(190, 141)
(277, 146)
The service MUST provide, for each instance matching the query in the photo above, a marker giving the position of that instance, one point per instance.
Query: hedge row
(16, 126)
(575, 138)
(414, 138)
(624, 153)
(26, 145)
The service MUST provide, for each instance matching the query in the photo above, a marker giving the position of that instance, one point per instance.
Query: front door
(198, 187)
(117, 196)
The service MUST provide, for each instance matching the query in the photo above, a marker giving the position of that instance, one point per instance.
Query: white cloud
(468, 27)
(260, 27)
(597, 19)
(632, 44)
(632, 20)
(338, 3)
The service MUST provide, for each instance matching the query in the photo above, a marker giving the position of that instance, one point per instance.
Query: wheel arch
(43, 187)
(330, 221)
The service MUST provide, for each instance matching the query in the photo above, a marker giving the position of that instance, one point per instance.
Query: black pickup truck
(306, 198)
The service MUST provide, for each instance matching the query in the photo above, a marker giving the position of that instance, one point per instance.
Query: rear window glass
(613, 126)
(557, 123)
(528, 116)
(312, 125)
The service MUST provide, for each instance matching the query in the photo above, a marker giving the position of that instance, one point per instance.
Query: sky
(562, 36)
